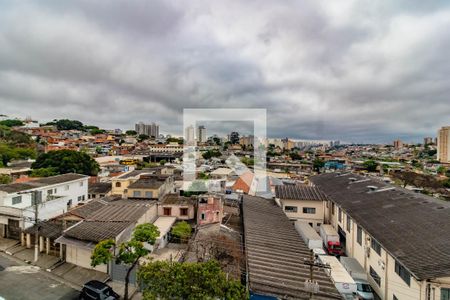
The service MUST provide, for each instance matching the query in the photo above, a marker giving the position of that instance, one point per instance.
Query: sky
(358, 71)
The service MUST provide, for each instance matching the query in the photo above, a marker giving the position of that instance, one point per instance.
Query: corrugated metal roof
(298, 192)
(275, 254)
(412, 227)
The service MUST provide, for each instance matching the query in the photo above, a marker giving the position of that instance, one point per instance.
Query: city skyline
(355, 71)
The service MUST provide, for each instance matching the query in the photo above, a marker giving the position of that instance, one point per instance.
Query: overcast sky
(363, 71)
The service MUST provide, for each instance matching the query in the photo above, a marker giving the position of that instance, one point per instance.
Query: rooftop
(275, 254)
(96, 231)
(298, 192)
(177, 199)
(152, 182)
(99, 188)
(412, 227)
(41, 182)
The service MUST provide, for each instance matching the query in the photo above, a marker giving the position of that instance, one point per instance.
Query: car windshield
(362, 287)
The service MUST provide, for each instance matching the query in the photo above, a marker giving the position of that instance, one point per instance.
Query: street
(21, 281)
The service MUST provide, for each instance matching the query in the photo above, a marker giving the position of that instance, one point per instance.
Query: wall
(316, 218)
(82, 257)
(176, 211)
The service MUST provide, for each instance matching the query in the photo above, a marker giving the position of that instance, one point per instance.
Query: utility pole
(311, 285)
(34, 198)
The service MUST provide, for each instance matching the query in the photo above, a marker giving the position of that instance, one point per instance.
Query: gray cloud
(366, 71)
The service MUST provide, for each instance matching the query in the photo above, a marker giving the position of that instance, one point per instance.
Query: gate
(13, 229)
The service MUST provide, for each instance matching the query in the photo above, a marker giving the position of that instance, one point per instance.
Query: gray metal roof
(297, 192)
(413, 228)
(96, 231)
(99, 187)
(275, 254)
(41, 182)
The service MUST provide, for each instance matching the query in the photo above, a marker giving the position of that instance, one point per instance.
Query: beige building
(304, 203)
(443, 145)
(173, 205)
(399, 237)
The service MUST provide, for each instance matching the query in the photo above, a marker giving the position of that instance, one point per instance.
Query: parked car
(98, 290)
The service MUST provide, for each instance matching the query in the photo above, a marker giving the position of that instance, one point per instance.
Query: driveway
(21, 281)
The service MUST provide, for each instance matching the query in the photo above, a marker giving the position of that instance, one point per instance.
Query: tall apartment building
(428, 140)
(189, 135)
(201, 134)
(151, 130)
(443, 144)
(398, 144)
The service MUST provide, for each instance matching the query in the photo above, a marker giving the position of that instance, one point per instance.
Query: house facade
(55, 195)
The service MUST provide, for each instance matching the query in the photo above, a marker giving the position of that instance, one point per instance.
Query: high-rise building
(427, 141)
(189, 135)
(201, 134)
(398, 144)
(443, 144)
(152, 130)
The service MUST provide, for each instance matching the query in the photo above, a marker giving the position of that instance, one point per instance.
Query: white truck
(358, 274)
(343, 282)
(331, 240)
(309, 235)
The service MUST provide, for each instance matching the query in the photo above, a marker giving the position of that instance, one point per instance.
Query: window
(50, 192)
(445, 294)
(403, 273)
(290, 209)
(340, 215)
(136, 193)
(79, 198)
(118, 184)
(375, 276)
(376, 246)
(81, 183)
(183, 211)
(16, 200)
(66, 187)
(332, 208)
(148, 194)
(318, 224)
(202, 216)
(83, 197)
(349, 223)
(309, 210)
(394, 297)
(359, 235)
(167, 211)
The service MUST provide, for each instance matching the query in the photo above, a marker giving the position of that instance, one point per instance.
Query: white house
(54, 196)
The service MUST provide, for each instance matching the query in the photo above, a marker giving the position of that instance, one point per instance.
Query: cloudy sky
(366, 71)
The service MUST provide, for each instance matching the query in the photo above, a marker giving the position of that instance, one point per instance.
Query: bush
(182, 230)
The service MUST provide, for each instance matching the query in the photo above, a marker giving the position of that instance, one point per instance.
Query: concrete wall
(175, 211)
(82, 257)
(316, 219)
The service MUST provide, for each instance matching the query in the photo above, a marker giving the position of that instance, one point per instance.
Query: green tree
(66, 124)
(11, 123)
(182, 230)
(131, 132)
(191, 281)
(142, 137)
(9, 152)
(318, 164)
(67, 161)
(128, 253)
(44, 172)
(370, 165)
(441, 170)
(162, 162)
(211, 153)
(5, 179)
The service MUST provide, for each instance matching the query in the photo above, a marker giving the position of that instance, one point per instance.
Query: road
(21, 281)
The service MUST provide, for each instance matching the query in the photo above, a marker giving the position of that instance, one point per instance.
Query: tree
(131, 132)
(162, 162)
(128, 253)
(11, 123)
(441, 170)
(67, 161)
(66, 124)
(5, 179)
(9, 152)
(142, 137)
(44, 172)
(182, 231)
(370, 165)
(318, 164)
(182, 280)
(295, 156)
(211, 153)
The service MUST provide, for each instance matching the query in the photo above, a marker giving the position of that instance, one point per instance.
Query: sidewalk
(64, 272)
